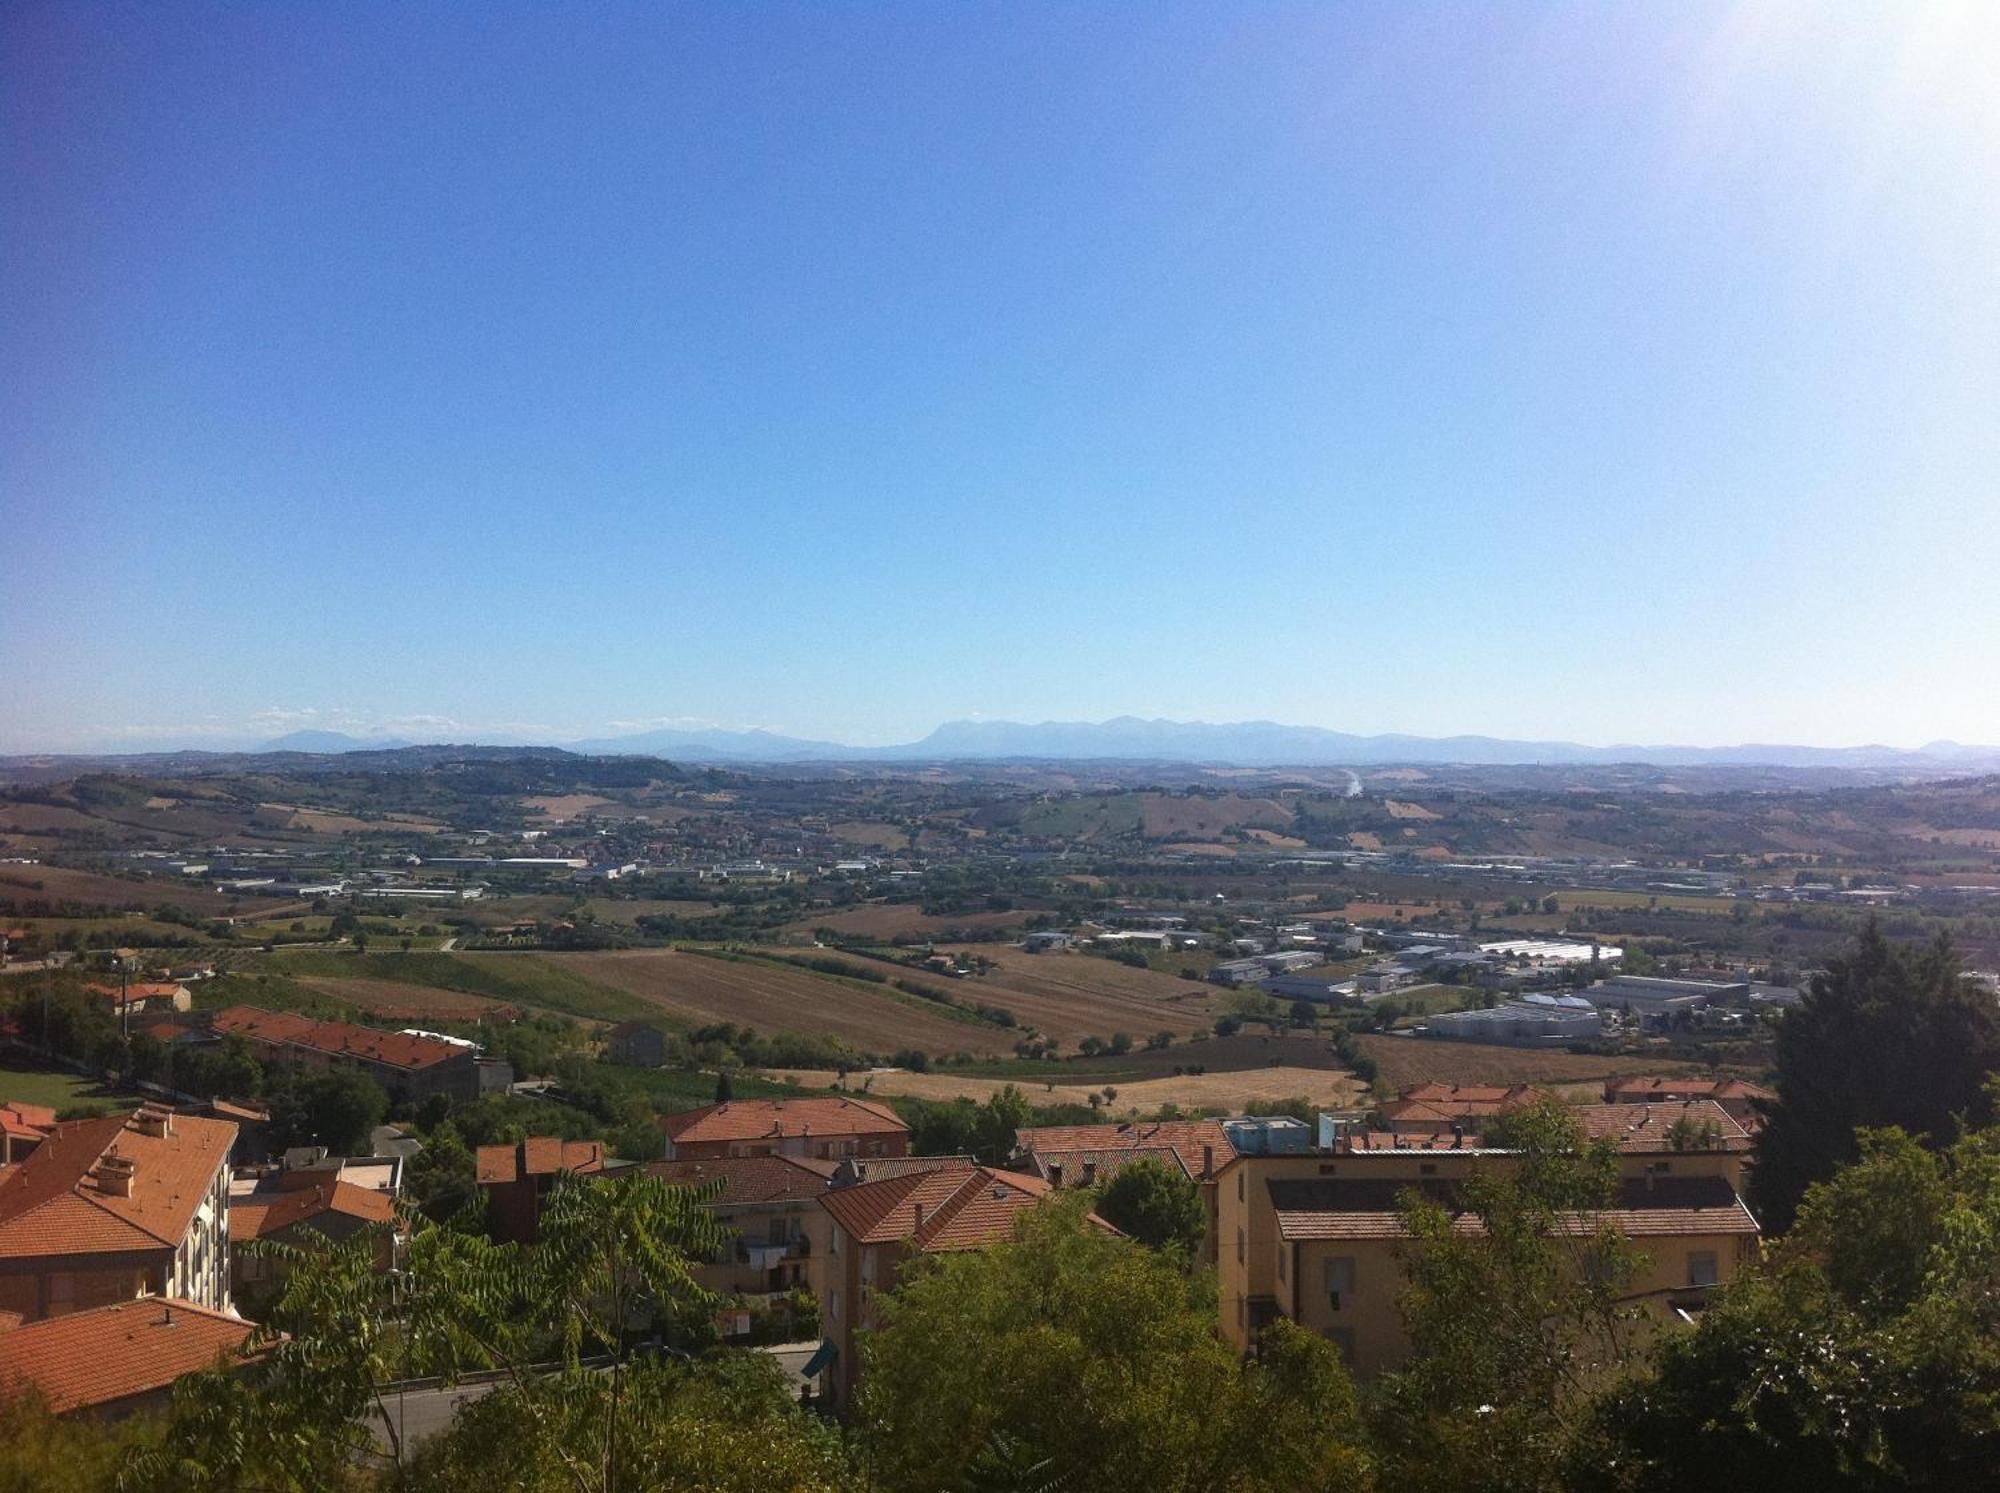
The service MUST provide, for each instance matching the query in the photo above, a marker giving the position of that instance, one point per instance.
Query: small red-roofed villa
(827, 1128)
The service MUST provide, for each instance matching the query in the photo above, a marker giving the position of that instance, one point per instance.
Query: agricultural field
(28, 884)
(526, 981)
(887, 920)
(770, 997)
(1071, 996)
(1404, 1061)
(1242, 1091)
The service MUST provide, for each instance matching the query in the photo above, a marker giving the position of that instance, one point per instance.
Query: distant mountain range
(1243, 744)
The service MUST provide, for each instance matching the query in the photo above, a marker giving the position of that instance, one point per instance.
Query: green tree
(557, 1320)
(1093, 1363)
(1158, 1205)
(1511, 1324)
(1863, 1354)
(331, 1107)
(1886, 1036)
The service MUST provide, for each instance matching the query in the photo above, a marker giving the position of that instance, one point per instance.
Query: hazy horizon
(1607, 375)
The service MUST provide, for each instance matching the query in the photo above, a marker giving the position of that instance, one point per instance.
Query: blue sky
(1619, 373)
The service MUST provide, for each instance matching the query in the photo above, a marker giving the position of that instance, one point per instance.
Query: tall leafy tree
(1069, 1357)
(1512, 1323)
(1863, 1355)
(1158, 1205)
(1886, 1036)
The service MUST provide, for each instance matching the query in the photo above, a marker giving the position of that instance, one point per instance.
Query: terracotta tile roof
(137, 992)
(55, 1202)
(946, 1209)
(21, 1119)
(1367, 1208)
(1649, 1127)
(1079, 1168)
(263, 1214)
(266, 1026)
(94, 1357)
(876, 1168)
(751, 1179)
(1469, 1093)
(338, 1038)
(1399, 1140)
(538, 1156)
(1444, 1104)
(774, 1119)
(1191, 1140)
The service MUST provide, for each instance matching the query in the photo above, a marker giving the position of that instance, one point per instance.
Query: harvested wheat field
(1071, 996)
(777, 998)
(406, 1002)
(1411, 1060)
(1243, 1092)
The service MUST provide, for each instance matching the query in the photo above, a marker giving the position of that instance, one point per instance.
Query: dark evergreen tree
(1886, 1036)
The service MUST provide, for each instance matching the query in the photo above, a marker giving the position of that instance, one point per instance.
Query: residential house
(770, 1204)
(516, 1180)
(1084, 1155)
(1045, 942)
(827, 1128)
(109, 1209)
(303, 1207)
(114, 1360)
(636, 1044)
(1317, 1238)
(1444, 1109)
(151, 996)
(1737, 1097)
(411, 1068)
(876, 1226)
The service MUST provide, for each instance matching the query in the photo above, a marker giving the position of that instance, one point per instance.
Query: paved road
(421, 1413)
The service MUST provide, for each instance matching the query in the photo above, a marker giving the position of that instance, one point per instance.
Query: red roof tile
(261, 1215)
(338, 1038)
(538, 1156)
(1649, 1127)
(951, 1208)
(112, 1352)
(1194, 1141)
(1368, 1208)
(783, 1119)
(751, 1179)
(55, 1201)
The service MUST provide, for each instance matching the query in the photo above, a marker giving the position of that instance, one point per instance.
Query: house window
(1242, 1247)
(62, 1288)
(1337, 1274)
(833, 1244)
(1343, 1339)
(1702, 1269)
(1427, 1169)
(1239, 1187)
(833, 1306)
(1242, 1312)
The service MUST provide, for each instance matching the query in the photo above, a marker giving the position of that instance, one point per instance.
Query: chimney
(917, 1212)
(154, 1120)
(115, 1174)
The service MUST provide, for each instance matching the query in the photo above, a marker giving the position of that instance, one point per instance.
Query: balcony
(763, 1256)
